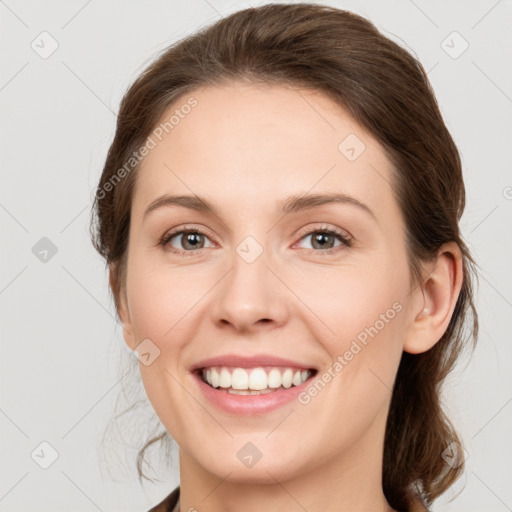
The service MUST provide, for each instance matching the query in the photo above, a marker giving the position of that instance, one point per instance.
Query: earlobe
(122, 307)
(435, 301)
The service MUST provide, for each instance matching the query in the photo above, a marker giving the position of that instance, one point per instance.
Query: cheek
(351, 302)
(359, 319)
(161, 299)
(362, 318)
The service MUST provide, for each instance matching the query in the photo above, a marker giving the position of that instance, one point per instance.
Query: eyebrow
(292, 204)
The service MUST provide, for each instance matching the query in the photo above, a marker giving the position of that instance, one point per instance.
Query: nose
(250, 297)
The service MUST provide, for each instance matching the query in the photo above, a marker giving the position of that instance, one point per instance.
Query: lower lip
(249, 404)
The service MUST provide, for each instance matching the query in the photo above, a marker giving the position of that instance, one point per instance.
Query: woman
(279, 213)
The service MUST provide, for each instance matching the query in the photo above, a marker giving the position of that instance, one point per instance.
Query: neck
(350, 480)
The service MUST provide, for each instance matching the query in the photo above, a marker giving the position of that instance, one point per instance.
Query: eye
(324, 240)
(186, 240)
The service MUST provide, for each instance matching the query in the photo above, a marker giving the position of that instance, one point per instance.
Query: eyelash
(343, 237)
(346, 241)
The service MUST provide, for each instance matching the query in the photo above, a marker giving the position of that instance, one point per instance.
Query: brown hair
(386, 90)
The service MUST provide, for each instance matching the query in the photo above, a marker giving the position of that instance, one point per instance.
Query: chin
(265, 470)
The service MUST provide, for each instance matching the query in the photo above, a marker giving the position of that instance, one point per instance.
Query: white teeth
(214, 382)
(239, 379)
(225, 378)
(274, 378)
(248, 392)
(287, 378)
(255, 381)
(234, 391)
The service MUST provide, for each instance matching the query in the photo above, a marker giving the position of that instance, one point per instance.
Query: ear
(435, 300)
(119, 292)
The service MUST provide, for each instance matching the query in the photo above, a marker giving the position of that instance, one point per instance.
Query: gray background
(63, 361)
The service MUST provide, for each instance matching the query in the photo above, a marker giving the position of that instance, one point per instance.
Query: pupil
(321, 238)
(193, 239)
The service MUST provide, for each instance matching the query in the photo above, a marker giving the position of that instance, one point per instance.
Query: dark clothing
(168, 504)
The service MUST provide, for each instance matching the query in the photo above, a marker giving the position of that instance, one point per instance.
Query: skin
(246, 149)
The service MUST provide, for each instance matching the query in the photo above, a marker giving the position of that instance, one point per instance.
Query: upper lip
(243, 361)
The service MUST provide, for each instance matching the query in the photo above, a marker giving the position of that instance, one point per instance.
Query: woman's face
(258, 283)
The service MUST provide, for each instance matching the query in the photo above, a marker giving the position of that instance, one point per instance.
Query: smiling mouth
(254, 381)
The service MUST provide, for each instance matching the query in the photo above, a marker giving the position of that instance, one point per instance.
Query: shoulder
(169, 502)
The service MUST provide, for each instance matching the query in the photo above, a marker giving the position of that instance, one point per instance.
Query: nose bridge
(250, 292)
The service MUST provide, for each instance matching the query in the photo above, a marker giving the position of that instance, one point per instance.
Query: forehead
(261, 143)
